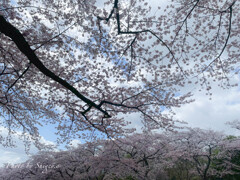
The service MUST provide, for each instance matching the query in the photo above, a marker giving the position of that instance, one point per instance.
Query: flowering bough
(84, 67)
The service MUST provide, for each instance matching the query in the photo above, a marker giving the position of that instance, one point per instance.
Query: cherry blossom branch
(24, 72)
(12, 32)
(19, 7)
(129, 107)
(2, 73)
(42, 44)
(228, 36)
(185, 20)
(115, 9)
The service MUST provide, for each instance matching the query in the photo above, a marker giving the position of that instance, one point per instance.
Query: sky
(202, 113)
(213, 113)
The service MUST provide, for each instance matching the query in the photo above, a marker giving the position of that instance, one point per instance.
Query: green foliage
(128, 156)
(230, 137)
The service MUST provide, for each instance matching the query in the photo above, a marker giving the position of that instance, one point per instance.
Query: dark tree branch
(228, 36)
(48, 41)
(185, 20)
(116, 9)
(24, 72)
(12, 32)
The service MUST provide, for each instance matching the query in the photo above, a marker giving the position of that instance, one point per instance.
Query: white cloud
(212, 114)
(13, 155)
(75, 143)
(135, 120)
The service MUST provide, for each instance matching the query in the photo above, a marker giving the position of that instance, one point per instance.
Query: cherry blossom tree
(72, 164)
(209, 152)
(137, 156)
(185, 155)
(234, 124)
(83, 66)
(141, 156)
